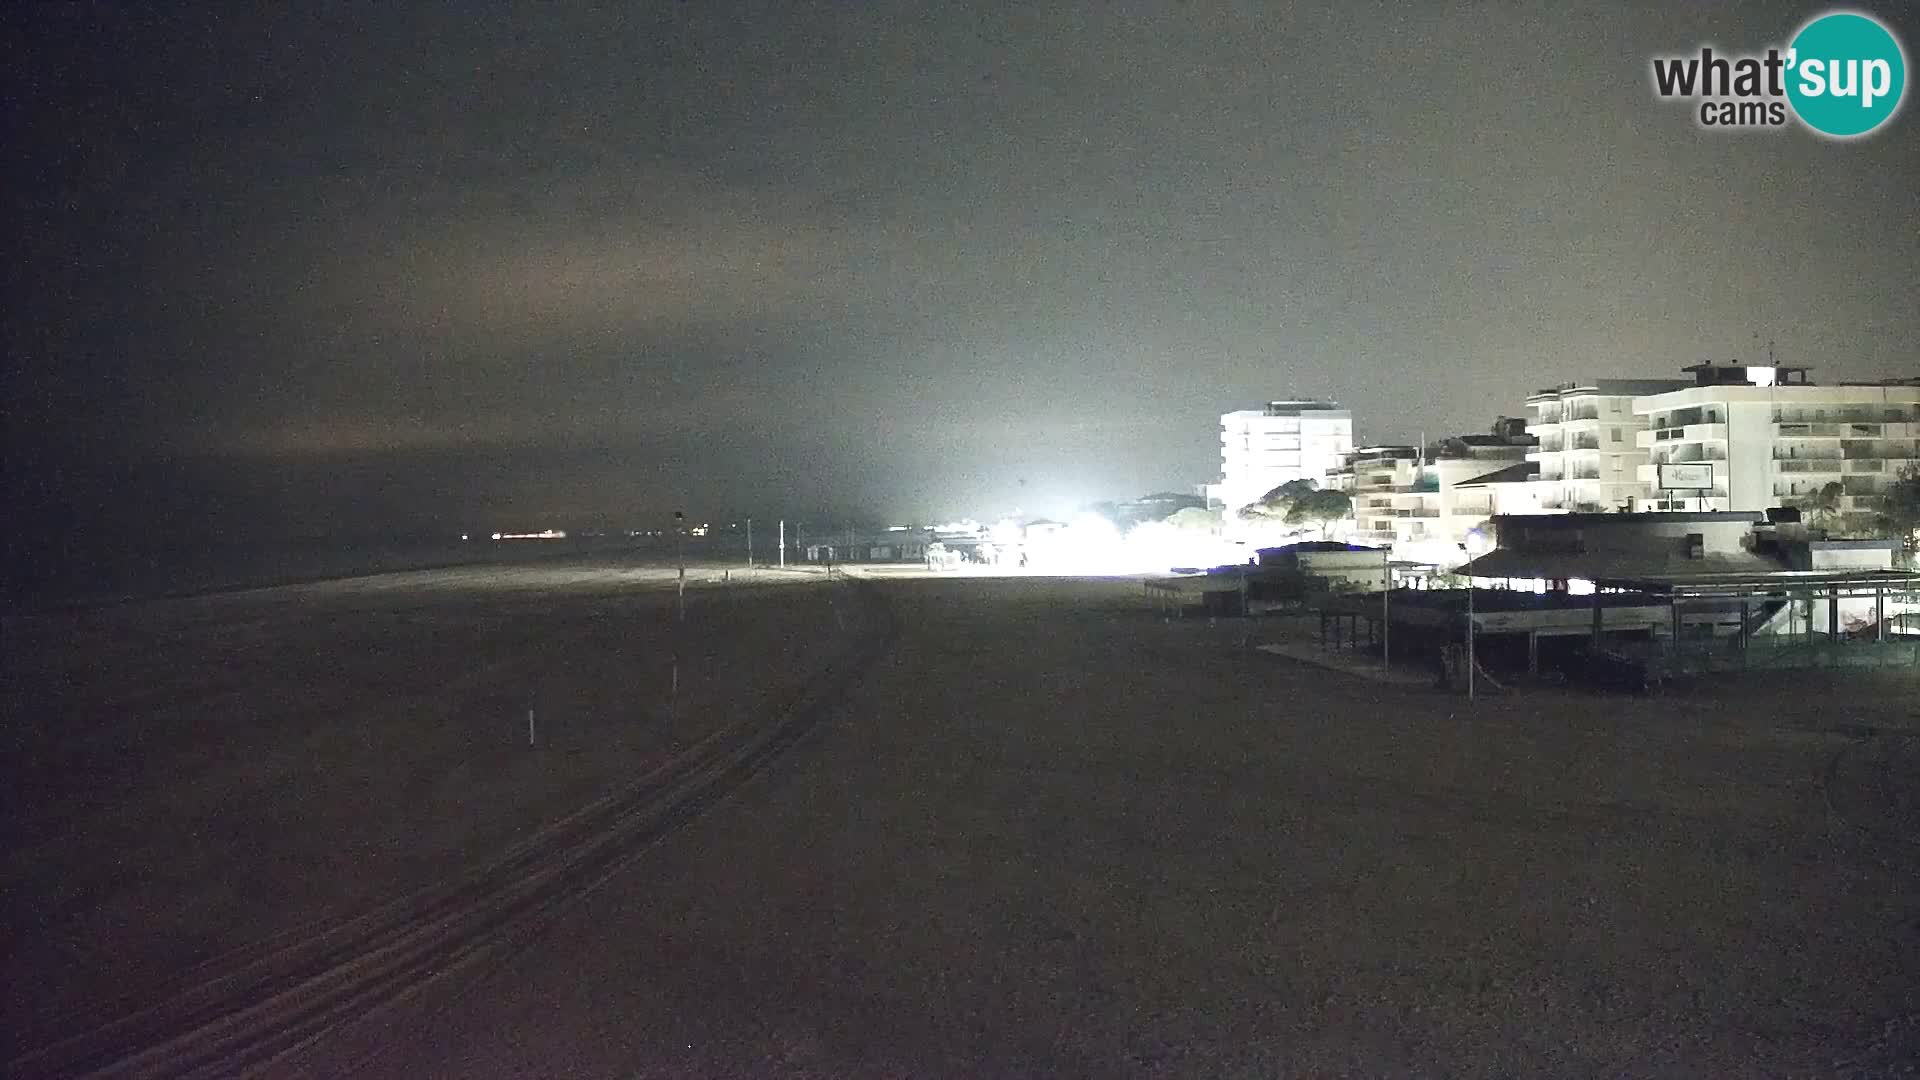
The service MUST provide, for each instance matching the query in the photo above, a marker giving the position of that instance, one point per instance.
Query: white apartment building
(1424, 509)
(1385, 485)
(1769, 436)
(1260, 449)
(1590, 454)
(1513, 491)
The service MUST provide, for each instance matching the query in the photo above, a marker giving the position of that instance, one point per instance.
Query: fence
(1665, 657)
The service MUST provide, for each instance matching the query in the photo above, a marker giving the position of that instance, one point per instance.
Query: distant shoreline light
(549, 534)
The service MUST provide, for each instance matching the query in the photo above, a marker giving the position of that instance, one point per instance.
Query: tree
(1321, 508)
(1158, 506)
(1899, 517)
(1823, 506)
(1278, 504)
(1194, 519)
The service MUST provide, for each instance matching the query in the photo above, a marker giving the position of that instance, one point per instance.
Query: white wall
(1750, 456)
(1259, 452)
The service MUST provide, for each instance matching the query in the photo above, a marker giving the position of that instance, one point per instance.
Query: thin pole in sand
(749, 543)
(680, 558)
(783, 543)
(1386, 612)
(530, 729)
(1470, 660)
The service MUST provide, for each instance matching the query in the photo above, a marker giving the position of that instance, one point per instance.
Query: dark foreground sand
(190, 776)
(1050, 834)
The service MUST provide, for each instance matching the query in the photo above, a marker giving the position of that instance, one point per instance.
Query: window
(1615, 437)
(1618, 465)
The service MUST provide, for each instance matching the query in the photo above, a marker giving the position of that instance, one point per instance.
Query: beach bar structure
(1669, 624)
(1669, 592)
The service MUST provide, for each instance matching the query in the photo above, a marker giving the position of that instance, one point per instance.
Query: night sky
(347, 269)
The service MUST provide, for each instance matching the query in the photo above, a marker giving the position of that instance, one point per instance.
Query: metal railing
(1772, 652)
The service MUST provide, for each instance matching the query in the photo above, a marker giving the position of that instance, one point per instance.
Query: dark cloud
(445, 263)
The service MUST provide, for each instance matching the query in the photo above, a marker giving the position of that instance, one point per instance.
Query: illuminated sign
(1688, 477)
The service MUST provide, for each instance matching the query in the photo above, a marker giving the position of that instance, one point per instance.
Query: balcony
(1688, 417)
(1862, 414)
(1681, 453)
(1806, 431)
(1586, 442)
(1681, 433)
(1884, 450)
(1704, 433)
(1803, 465)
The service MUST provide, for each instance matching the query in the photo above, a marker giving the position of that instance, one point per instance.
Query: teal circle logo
(1846, 74)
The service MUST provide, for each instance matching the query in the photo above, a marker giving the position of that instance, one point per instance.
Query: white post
(749, 543)
(783, 543)
(529, 728)
(680, 558)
